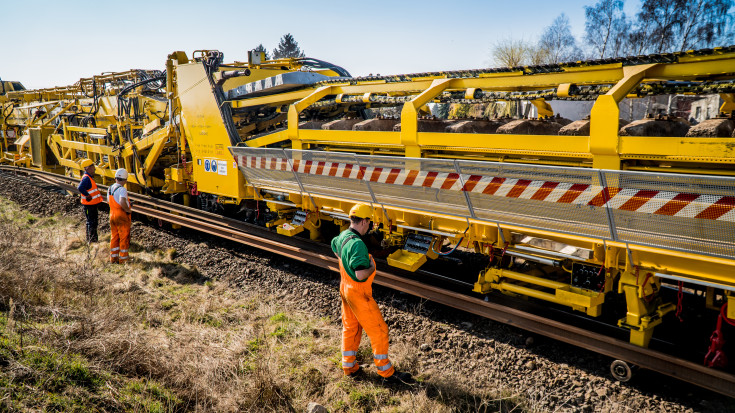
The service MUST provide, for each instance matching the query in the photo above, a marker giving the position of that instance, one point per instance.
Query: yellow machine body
(236, 134)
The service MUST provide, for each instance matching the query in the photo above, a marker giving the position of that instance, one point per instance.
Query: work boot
(399, 377)
(358, 374)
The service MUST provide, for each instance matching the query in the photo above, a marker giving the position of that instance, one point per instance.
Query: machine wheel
(622, 371)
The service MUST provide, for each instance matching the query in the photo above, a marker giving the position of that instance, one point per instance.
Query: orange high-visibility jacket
(94, 192)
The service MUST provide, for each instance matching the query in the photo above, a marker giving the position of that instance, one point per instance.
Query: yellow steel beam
(156, 149)
(695, 69)
(550, 145)
(37, 105)
(34, 119)
(81, 146)
(689, 149)
(560, 144)
(604, 141)
(96, 131)
(296, 108)
(728, 106)
(145, 143)
(61, 112)
(543, 108)
(276, 99)
(409, 116)
(350, 136)
(269, 139)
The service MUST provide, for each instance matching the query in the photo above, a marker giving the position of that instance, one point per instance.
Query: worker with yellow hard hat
(359, 309)
(91, 198)
(120, 213)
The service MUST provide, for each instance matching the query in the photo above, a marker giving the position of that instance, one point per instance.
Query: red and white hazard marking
(686, 205)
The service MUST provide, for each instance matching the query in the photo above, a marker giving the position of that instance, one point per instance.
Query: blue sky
(54, 43)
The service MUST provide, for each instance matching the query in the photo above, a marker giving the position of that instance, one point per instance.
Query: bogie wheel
(621, 370)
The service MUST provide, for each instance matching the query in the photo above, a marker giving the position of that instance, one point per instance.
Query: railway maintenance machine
(634, 218)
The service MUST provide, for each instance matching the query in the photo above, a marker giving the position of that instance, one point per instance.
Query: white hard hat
(121, 174)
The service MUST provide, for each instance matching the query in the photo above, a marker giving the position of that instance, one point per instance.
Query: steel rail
(693, 373)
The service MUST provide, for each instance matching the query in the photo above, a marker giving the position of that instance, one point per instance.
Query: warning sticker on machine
(213, 165)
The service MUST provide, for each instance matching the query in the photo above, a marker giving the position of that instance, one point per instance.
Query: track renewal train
(632, 223)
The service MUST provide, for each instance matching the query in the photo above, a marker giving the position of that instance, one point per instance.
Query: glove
(88, 198)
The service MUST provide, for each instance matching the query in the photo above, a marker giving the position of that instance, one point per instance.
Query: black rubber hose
(211, 64)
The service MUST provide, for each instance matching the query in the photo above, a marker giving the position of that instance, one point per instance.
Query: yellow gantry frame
(603, 149)
(65, 140)
(64, 146)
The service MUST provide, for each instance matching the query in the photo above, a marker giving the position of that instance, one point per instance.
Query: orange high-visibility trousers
(119, 232)
(360, 311)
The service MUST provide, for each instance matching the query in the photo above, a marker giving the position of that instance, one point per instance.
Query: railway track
(319, 255)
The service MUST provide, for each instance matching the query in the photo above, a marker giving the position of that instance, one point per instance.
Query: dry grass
(159, 337)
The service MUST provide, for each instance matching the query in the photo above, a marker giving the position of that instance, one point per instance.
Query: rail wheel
(622, 371)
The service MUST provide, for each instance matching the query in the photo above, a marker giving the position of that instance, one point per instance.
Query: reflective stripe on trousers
(360, 311)
(119, 231)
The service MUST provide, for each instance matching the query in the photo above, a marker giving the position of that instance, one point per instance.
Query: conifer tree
(287, 47)
(260, 48)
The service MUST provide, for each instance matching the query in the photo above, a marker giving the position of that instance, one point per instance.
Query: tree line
(659, 26)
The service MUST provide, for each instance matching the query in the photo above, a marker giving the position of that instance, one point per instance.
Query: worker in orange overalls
(120, 210)
(359, 310)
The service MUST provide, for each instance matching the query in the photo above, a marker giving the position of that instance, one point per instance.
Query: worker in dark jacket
(91, 198)
(359, 310)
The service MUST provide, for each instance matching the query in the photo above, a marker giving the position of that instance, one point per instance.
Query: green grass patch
(368, 398)
(148, 396)
(279, 318)
(254, 345)
(181, 290)
(280, 332)
(208, 320)
(38, 378)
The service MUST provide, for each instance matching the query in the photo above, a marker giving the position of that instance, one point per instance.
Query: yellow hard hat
(361, 211)
(85, 163)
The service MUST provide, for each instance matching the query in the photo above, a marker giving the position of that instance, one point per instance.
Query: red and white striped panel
(686, 205)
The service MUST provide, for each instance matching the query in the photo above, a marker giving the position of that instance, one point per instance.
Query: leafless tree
(678, 25)
(658, 20)
(705, 23)
(537, 55)
(606, 27)
(510, 52)
(558, 40)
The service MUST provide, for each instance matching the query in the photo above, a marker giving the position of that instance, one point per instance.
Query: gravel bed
(553, 375)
